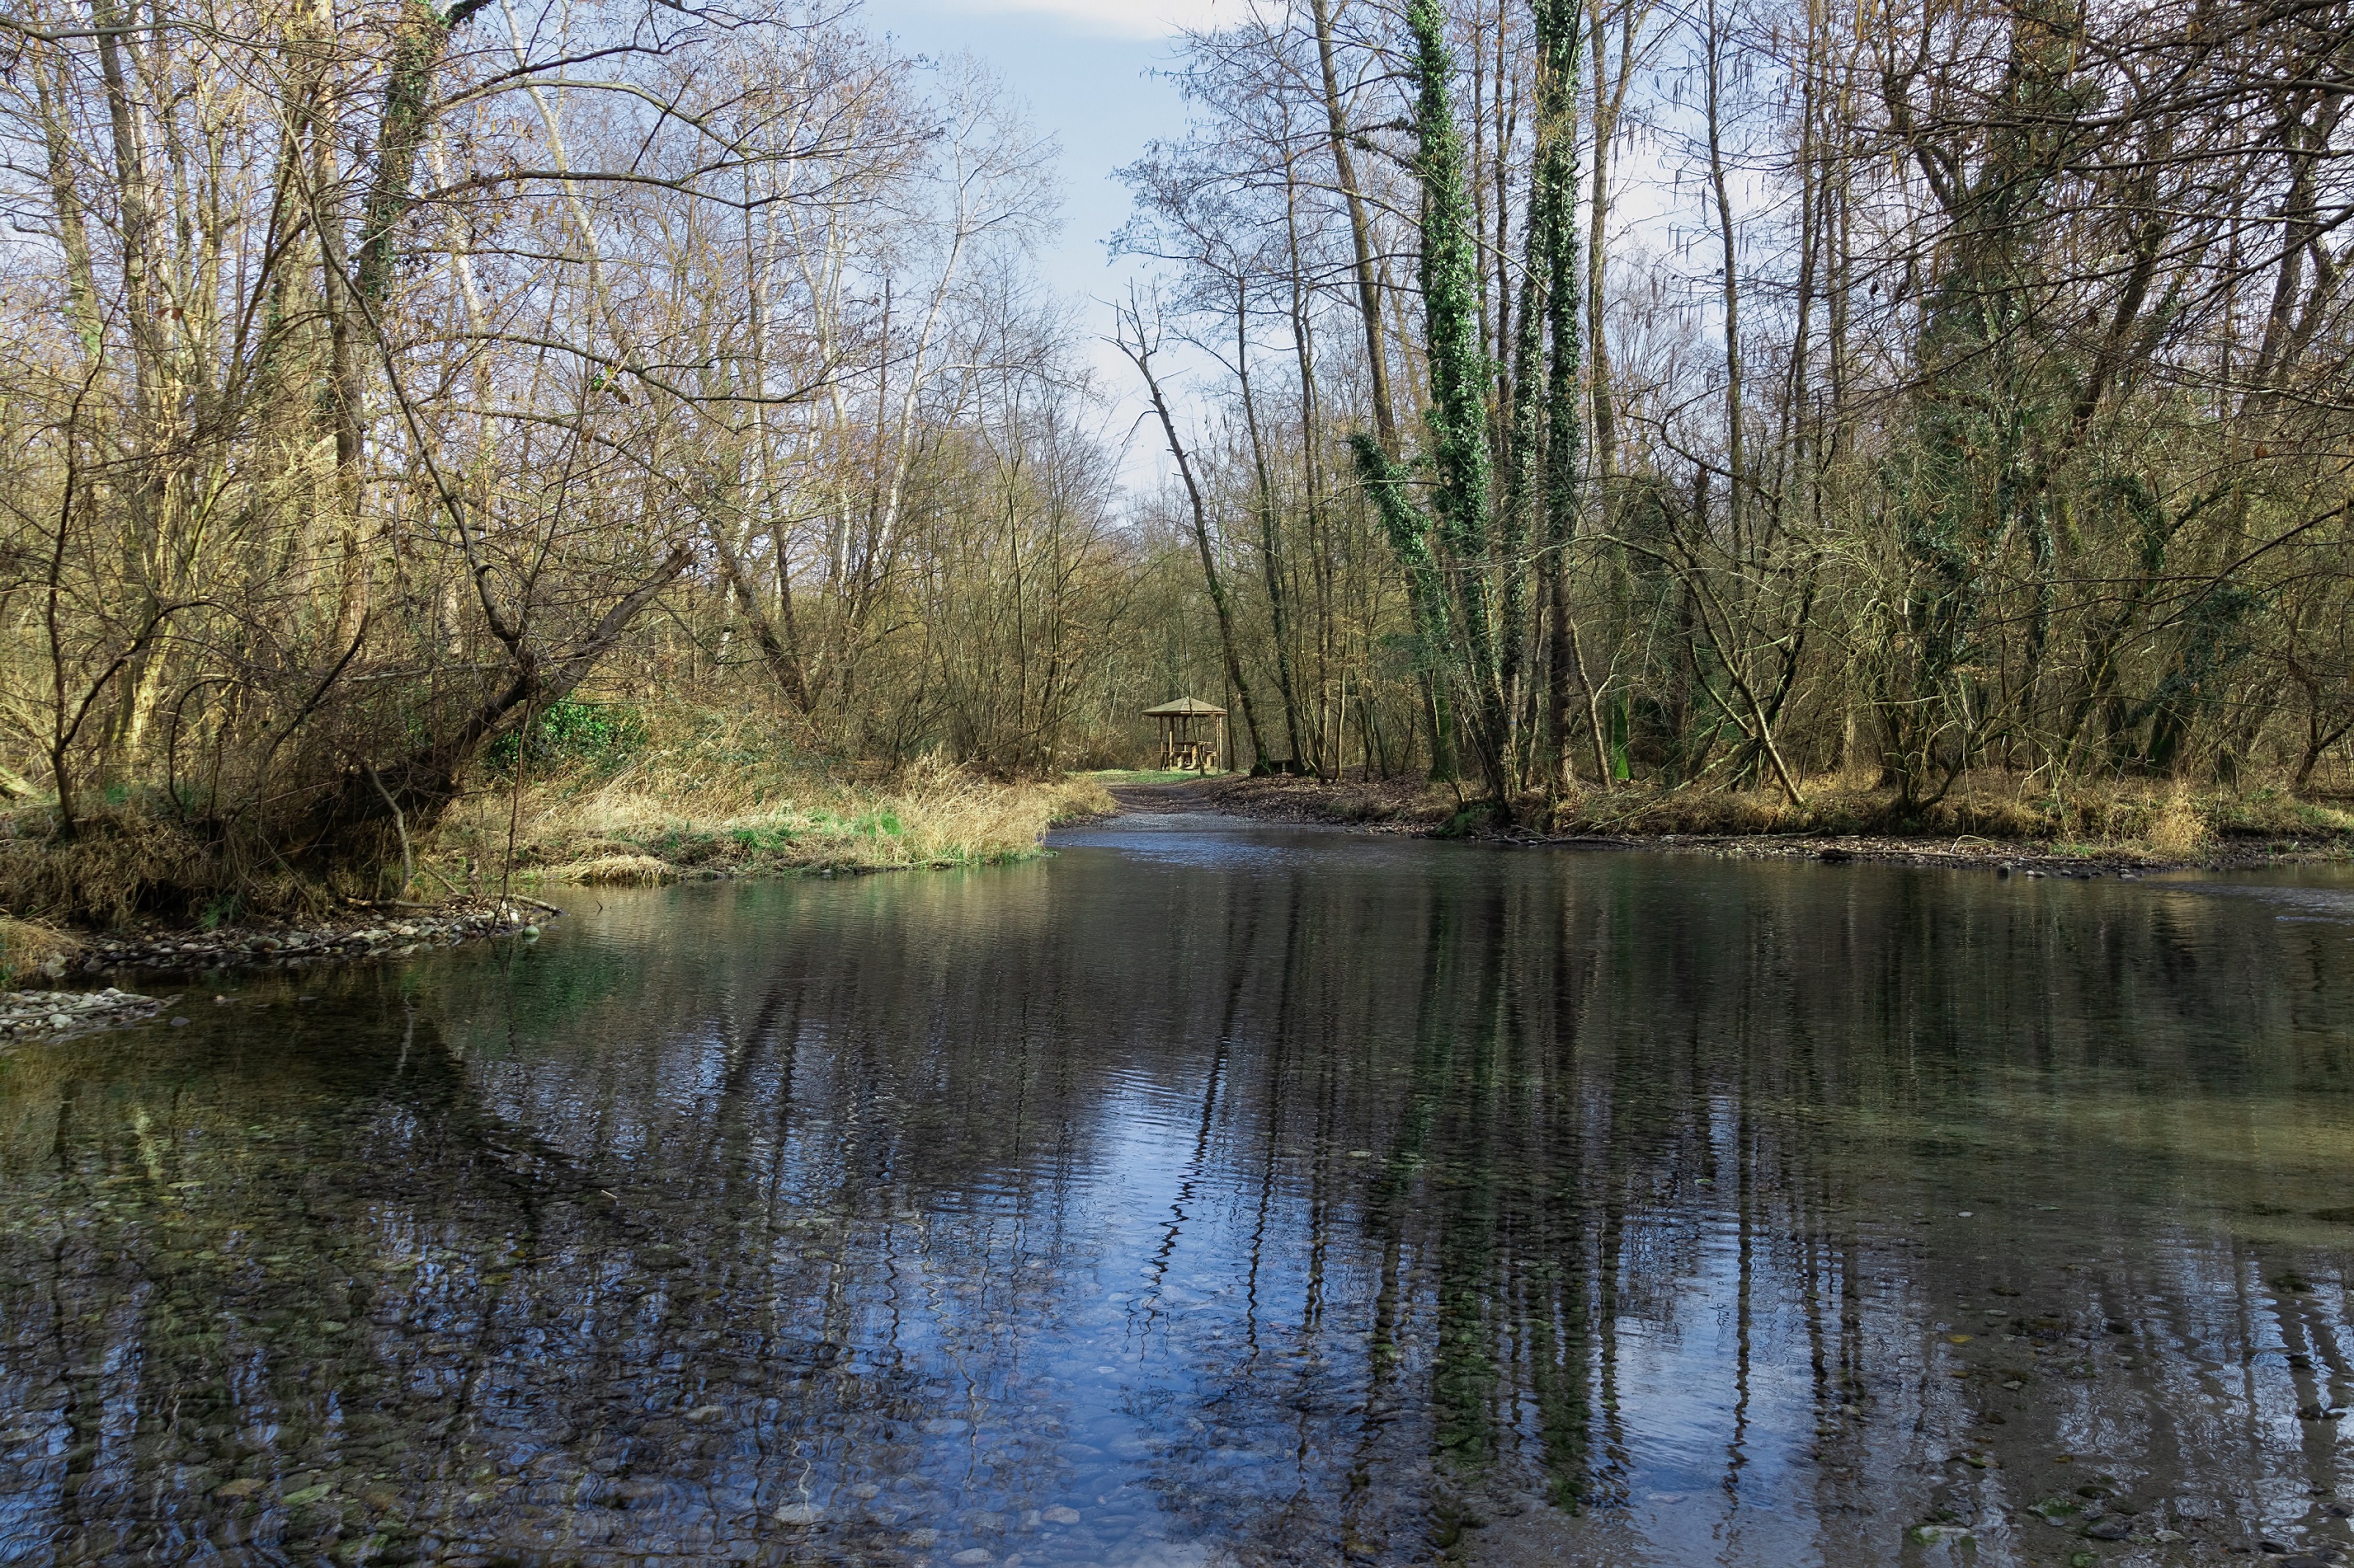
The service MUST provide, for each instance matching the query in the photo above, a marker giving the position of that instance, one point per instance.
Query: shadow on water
(1215, 1192)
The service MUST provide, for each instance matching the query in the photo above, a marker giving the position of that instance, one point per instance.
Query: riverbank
(30, 951)
(708, 805)
(2123, 830)
(653, 824)
(37, 960)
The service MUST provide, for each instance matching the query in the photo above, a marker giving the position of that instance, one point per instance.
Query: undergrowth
(136, 858)
(571, 736)
(599, 793)
(2155, 819)
(704, 793)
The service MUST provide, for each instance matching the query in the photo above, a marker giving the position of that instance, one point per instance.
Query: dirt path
(1162, 799)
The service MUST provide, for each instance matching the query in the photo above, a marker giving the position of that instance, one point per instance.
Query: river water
(1212, 1193)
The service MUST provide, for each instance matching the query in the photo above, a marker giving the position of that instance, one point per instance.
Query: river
(1215, 1192)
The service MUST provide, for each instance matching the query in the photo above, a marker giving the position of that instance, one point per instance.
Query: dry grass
(126, 860)
(130, 860)
(710, 795)
(109, 872)
(2154, 818)
(2177, 830)
(616, 871)
(31, 949)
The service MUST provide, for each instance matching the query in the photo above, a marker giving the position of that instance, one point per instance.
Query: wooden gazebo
(1180, 747)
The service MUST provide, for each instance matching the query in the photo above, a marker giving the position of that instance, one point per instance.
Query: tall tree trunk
(1560, 34)
(1736, 470)
(357, 286)
(65, 194)
(778, 650)
(1329, 741)
(1459, 405)
(1141, 355)
(1361, 233)
(1422, 582)
(1610, 89)
(1270, 555)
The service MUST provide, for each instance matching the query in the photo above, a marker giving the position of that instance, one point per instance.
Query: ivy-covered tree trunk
(1457, 415)
(1553, 254)
(1448, 545)
(1408, 528)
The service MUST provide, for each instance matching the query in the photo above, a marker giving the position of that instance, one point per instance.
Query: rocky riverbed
(364, 931)
(361, 932)
(57, 1013)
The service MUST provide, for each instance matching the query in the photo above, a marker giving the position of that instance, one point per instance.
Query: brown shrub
(121, 864)
(31, 950)
(2176, 829)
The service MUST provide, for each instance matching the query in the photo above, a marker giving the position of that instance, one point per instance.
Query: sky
(1087, 72)
(1091, 74)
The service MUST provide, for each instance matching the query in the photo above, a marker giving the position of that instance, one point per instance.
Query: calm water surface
(1216, 1192)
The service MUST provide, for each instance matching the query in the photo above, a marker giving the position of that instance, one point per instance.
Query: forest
(1559, 398)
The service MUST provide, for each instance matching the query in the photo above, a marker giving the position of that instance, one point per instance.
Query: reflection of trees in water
(1407, 1178)
(1588, 1108)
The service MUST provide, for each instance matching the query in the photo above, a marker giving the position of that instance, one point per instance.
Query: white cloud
(1123, 19)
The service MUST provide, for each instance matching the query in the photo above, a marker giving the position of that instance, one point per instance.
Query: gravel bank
(366, 931)
(57, 1014)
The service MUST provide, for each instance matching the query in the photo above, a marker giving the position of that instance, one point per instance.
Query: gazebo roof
(1185, 708)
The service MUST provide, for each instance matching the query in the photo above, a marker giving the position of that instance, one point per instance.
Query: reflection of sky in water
(1229, 843)
(2299, 899)
(1214, 1192)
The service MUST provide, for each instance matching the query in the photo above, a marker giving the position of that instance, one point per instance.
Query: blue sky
(1086, 68)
